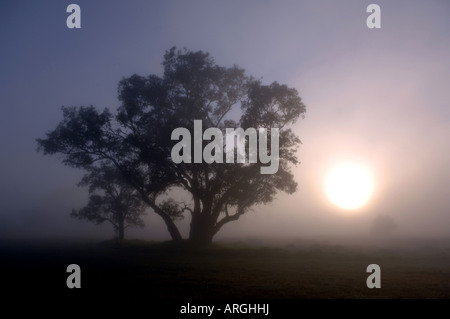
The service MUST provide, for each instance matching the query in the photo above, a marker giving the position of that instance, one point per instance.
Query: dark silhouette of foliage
(111, 199)
(137, 139)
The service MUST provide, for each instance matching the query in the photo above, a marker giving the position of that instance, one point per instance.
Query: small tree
(111, 199)
(383, 225)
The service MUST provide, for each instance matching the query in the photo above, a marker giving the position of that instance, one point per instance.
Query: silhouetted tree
(383, 225)
(137, 140)
(111, 199)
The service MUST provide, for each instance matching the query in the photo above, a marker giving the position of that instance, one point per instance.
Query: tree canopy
(136, 140)
(111, 199)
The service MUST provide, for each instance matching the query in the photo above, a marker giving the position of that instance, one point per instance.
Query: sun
(349, 185)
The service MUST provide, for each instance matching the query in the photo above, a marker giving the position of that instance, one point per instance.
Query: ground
(238, 271)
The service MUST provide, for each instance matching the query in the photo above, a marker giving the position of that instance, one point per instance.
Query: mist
(376, 96)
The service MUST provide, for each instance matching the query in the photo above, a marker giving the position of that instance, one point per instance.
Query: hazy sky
(375, 96)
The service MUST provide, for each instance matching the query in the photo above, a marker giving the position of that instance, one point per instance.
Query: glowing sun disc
(349, 186)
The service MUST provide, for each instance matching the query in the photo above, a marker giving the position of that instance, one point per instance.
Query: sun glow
(349, 186)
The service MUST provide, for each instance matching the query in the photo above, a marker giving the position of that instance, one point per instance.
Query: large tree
(137, 139)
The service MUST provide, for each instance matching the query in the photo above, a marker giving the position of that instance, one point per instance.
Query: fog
(379, 96)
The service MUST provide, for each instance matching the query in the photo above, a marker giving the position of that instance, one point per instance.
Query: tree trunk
(202, 230)
(172, 228)
(121, 231)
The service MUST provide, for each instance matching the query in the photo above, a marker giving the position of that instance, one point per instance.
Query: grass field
(230, 270)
